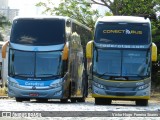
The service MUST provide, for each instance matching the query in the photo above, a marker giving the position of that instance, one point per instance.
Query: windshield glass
(21, 63)
(35, 64)
(108, 62)
(38, 31)
(122, 63)
(122, 33)
(48, 64)
(135, 63)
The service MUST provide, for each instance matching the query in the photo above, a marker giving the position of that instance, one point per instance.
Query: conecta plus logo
(126, 31)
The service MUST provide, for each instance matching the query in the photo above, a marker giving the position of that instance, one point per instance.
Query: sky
(27, 7)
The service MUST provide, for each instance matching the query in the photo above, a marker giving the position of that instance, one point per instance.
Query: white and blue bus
(47, 59)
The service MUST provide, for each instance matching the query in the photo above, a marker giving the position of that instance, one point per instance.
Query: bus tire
(81, 99)
(99, 101)
(103, 101)
(108, 101)
(42, 100)
(73, 100)
(142, 102)
(64, 100)
(21, 99)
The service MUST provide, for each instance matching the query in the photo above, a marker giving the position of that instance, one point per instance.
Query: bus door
(76, 65)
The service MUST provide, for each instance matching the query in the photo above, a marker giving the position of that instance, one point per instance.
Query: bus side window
(76, 29)
(68, 30)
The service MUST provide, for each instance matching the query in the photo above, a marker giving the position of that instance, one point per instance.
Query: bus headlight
(13, 84)
(142, 87)
(99, 85)
(57, 84)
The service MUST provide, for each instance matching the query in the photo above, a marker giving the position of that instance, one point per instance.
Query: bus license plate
(33, 94)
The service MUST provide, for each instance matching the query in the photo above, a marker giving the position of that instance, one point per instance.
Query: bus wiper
(104, 74)
(56, 76)
(142, 77)
(50, 75)
(26, 75)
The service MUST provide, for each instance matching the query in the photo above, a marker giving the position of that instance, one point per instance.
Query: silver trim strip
(36, 48)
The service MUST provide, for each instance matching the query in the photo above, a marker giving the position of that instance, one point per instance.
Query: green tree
(146, 8)
(156, 30)
(1, 37)
(76, 9)
(3, 21)
(129, 7)
(81, 10)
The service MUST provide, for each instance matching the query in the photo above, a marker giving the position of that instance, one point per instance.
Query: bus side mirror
(154, 52)
(89, 48)
(65, 52)
(4, 48)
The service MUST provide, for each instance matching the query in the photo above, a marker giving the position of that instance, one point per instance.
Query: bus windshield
(38, 32)
(124, 63)
(122, 33)
(35, 64)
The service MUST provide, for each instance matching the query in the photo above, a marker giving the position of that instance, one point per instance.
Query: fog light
(13, 84)
(57, 84)
(57, 93)
(143, 87)
(99, 85)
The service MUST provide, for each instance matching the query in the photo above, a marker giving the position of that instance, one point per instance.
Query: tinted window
(38, 31)
(85, 34)
(35, 64)
(123, 33)
(22, 63)
(125, 63)
(108, 62)
(48, 64)
(135, 63)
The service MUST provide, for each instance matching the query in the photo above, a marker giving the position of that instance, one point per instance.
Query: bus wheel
(103, 101)
(99, 101)
(64, 100)
(42, 100)
(143, 102)
(81, 99)
(108, 101)
(73, 100)
(22, 99)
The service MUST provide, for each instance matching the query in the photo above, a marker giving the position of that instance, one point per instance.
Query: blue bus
(47, 59)
(121, 55)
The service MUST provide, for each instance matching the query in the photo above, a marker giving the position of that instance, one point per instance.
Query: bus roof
(128, 19)
(41, 17)
(50, 17)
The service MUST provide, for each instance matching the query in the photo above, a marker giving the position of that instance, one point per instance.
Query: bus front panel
(122, 60)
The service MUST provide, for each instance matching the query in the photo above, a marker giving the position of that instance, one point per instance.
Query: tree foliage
(76, 9)
(3, 21)
(129, 7)
(81, 10)
(145, 8)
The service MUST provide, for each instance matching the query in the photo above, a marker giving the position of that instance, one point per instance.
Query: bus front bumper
(52, 89)
(120, 93)
(48, 93)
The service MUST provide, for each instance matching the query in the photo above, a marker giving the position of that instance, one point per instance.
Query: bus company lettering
(34, 83)
(126, 31)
